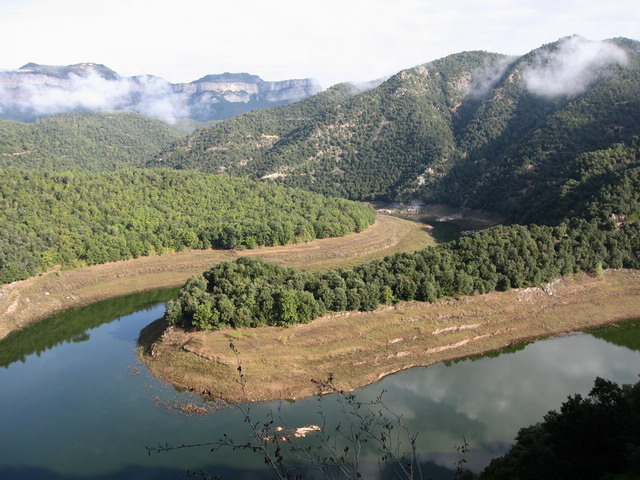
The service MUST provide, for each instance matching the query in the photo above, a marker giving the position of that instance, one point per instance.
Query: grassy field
(22, 303)
(359, 348)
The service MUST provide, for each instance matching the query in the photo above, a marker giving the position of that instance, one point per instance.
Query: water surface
(76, 404)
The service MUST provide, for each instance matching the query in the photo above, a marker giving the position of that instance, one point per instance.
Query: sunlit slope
(358, 145)
(49, 219)
(476, 129)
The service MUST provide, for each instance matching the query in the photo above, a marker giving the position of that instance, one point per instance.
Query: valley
(337, 234)
(24, 302)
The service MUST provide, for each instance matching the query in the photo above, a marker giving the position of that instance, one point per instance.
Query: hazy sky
(330, 40)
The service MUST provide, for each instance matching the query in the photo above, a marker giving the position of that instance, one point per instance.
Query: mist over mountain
(36, 91)
(473, 129)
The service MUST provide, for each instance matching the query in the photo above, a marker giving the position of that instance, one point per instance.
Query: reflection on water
(79, 405)
(489, 399)
(72, 325)
(625, 334)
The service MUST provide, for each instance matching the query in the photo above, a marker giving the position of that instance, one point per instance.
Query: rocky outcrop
(210, 92)
(35, 91)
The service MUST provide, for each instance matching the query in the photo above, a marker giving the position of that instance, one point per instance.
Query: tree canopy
(596, 437)
(84, 141)
(87, 218)
(249, 292)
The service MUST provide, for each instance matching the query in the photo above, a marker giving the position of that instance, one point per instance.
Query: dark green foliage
(597, 437)
(81, 218)
(84, 141)
(462, 130)
(525, 155)
(361, 146)
(249, 292)
(246, 293)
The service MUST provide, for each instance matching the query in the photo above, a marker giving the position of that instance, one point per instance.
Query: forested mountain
(84, 141)
(551, 137)
(362, 146)
(88, 218)
(477, 129)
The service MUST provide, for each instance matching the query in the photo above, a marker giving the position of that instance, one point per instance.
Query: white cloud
(92, 92)
(4, 98)
(156, 99)
(149, 96)
(570, 68)
(483, 80)
(333, 40)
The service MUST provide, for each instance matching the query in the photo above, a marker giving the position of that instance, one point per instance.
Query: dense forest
(472, 129)
(341, 142)
(469, 130)
(84, 141)
(249, 292)
(87, 218)
(597, 437)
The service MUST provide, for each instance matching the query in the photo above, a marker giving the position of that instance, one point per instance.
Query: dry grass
(360, 348)
(25, 302)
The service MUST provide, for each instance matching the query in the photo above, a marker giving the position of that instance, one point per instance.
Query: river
(75, 403)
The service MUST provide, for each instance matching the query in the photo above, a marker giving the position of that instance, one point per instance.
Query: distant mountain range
(34, 91)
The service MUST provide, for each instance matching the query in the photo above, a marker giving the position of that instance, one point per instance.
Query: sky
(330, 40)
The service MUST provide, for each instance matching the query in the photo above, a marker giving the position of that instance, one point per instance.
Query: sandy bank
(360, 348)
(25, 302)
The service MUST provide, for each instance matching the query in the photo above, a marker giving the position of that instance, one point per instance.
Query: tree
(589, 438)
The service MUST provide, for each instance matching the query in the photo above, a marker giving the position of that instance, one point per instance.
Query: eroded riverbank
(359, 348)
(25, 302)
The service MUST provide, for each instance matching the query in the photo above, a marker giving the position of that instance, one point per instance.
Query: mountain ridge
(474, 129)
(35, 91)
(88, 141)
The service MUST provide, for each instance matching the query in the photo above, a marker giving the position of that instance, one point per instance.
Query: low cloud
(572, 67)
(157, 99)
(150, 96)
(361, 87)
(4, 98)
(483, 80)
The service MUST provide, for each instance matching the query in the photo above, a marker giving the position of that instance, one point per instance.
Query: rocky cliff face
(35, 91)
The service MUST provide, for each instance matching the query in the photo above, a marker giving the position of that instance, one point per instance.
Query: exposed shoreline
(28, 301)
(279, 363)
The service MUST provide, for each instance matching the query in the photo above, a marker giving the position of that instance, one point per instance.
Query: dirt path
(281, 362)
(24, 302)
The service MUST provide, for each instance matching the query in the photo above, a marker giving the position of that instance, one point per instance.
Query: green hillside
(522, 152)
(88, 218)
(84, 141)
(549, 138)
(360, 146)
(475, 129)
